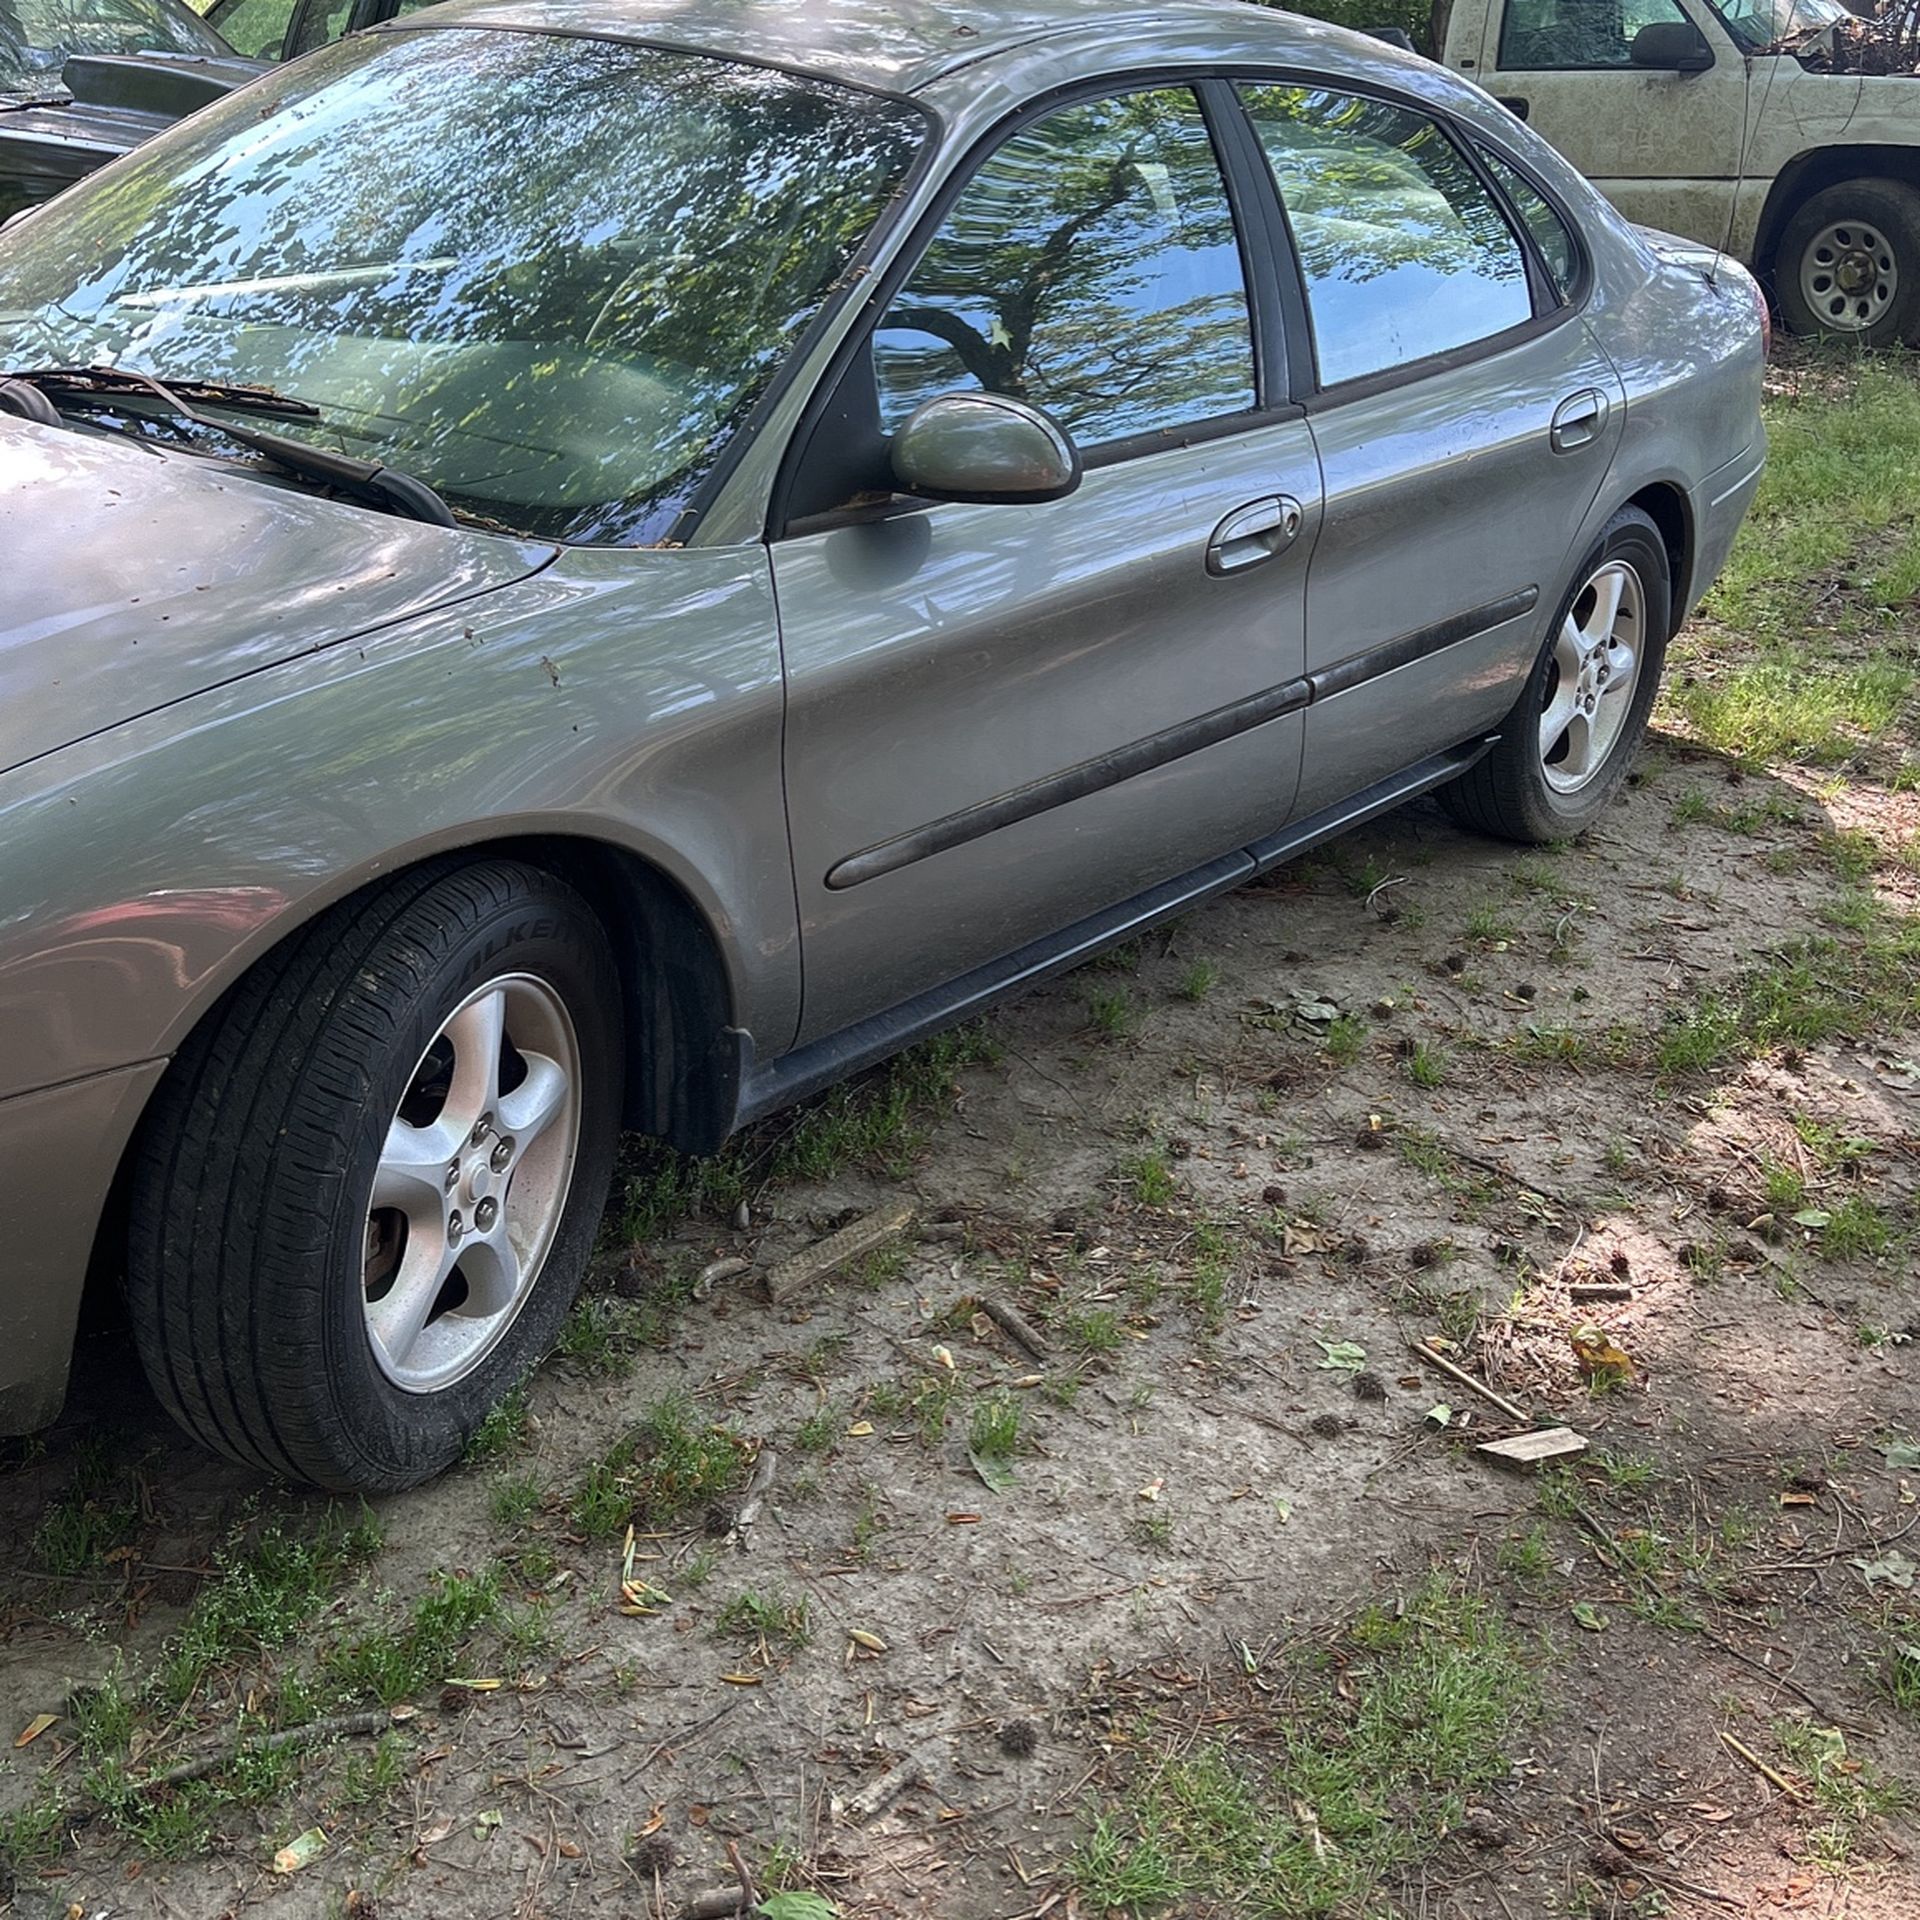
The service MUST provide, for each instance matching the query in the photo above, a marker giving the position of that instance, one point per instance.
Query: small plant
(994, 1430)
(513, 1500)
(1426, 1065)
(1527, 1555)
(503, 1431)
(665, 1468)
(1111, 1011)
(1856, 1230)
(818, 1431)
(1490, 926)
(781, 1619)
(1093, 1329)
(1346, 1037)
(1197, 982)
(1151, 1179)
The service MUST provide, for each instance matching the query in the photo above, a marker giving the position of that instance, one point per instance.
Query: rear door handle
(1515, 104)
(1253, 533)
(1578, 420)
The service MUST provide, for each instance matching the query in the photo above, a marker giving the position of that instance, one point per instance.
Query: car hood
(136, 578)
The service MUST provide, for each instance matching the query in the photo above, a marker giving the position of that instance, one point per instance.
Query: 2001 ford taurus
(581, 562)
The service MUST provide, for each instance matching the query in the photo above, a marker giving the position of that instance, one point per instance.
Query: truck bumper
(59, 1151)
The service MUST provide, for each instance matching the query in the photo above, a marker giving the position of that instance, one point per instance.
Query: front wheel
(1572, 736)
(1848, 264)
(366, 1194)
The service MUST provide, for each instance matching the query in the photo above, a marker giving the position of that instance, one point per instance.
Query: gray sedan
(521, 622)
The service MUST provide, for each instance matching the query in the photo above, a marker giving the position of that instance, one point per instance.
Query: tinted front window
(555, 318)
(1089, 267)
(1404, 251)
(1539, 35)
(1549, 231)
(36, 36)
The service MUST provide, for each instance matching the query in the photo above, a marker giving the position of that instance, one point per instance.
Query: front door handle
(1256, 532)
(1578, 421)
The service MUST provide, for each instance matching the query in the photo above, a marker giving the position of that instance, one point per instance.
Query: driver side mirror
(984, 448)
(1671, 46)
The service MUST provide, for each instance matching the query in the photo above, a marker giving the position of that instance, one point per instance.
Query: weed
(1151, 1179)
(818, 1431)
(1526, 1555)
(392, 1663)
(994, 1430)
(1346, 1037)
(513, 1500)
(667, 1466)
(1112, 1012)
(1856, 1230)
(1197, 982)
(1426, 1065)
(503, 1431)
(1490, 926)
(781, 1619)
(1092, 1329)
(95, 1514)
(599, 1335)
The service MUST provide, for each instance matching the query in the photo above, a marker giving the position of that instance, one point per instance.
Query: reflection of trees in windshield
(37, 36)
(1404, 251)
(1089, 267)
(548, 275)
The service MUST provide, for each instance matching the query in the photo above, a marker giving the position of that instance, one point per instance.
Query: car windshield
(1760, 23)
(37, 36)
(548, 276)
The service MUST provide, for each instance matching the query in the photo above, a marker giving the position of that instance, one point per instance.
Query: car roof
(899, 45)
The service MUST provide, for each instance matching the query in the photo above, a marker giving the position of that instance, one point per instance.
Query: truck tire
(1573, 735)
(1848, 264)
(363, 1200)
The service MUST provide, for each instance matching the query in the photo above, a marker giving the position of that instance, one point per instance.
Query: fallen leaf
(1813, 1217)
(1440, 1415)
(435, 1833)
(871, 1641)
(1282, 1508)
(1604, 1363)
(741, 1679)
(484, 1826)
(1586, 1615)
(1902, 1455)
(1799, 1500)
(944, 1357)
(1154, 1488)
(478, 1686)
(36, 1727)
(1342, 1356)
(1892, 1569)
(994, 1472)
(860, 1429)
(798, 1904)
(303, 1850)
(964, 1519)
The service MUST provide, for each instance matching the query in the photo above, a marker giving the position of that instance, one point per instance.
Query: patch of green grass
(994, 1430)
(1346, 1037)
(503, 1431)
(1846, 1788)
(1111, 1011)
(1814, 990)
(1525, 1555)
(1198, 980)
(820, 1429)
(1490, 926)
(32, 1835)
(392, 1663)
(1364, 1769)
(1092, 1329)
(1856, 1229)
(1426, 1065)
(781, 1619)
(1903, 1675)
(1150, 1178)
(513, 1500)
(1769, 710)
(1783, 1186)
(96, 1512)
(669, 1465)
(600, 1335)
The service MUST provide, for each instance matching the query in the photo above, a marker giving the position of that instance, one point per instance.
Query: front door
(1464, 419)
(1004, 717)
(1664, 147)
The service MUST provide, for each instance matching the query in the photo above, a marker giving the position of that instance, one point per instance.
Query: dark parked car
(518, 621)
(83, 82)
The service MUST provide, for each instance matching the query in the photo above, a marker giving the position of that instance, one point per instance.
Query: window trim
(1309, 394)
(1269, 325)
(1479, 146)
(1627, 66)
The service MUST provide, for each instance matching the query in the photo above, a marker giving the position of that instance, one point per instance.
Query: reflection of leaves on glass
(556, 316)
(1404, 251)
(1089, 267)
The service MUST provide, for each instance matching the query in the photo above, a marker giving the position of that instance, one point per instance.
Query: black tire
(1508, 793)
(253, 1174)
(1813, 300)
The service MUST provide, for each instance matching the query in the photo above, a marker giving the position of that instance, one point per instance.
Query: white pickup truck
(1724, 120)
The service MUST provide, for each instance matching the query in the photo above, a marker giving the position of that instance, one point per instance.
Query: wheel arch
(1665, 503)
(1813, 172)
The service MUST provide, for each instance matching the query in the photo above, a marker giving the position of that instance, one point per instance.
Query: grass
(1198, 980)
(96, 1513)
(1847, 1790)
(1360, 1762)
(1346, 1037)
(503, 1431)
(780, 1619)
(880, 1121)
(1426, 1065)
(993, 1432)
(392, 1663)
(1150, 1178)
(1111, 1012)
(669, 1465)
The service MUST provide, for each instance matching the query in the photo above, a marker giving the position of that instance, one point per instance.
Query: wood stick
(717, 1903)
(885, 1790)
(717, 1270)
(372, 1720)
(756, 1494)
(1015, 1327)
(1466, 1379)
(1583, 1291)
(865, 1235)
(1752, 1759)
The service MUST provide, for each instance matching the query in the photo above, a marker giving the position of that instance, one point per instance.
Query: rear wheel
(365, 1197)
(1848, 264)
(1572, 737)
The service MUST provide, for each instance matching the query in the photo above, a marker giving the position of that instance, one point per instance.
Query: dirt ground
(1420, 1086)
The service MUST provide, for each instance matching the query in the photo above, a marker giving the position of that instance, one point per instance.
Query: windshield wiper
(80, 388)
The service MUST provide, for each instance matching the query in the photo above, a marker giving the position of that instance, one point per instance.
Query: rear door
(1665, 148)
(1463, 416)
(1002, 718)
